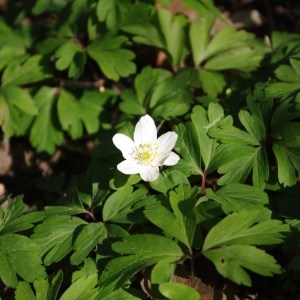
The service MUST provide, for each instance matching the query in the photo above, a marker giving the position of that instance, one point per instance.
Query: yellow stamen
(144, 154)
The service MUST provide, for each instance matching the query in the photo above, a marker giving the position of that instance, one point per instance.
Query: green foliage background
(79, 68)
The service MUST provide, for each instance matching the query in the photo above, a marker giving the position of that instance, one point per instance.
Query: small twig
(79, 84)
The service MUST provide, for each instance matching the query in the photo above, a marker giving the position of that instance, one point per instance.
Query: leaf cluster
(76, 69)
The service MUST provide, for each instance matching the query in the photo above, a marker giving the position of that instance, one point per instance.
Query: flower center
(144, 154)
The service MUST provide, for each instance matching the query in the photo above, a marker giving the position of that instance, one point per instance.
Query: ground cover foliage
(224, 221)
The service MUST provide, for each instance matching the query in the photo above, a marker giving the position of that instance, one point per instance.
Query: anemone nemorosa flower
(146, 153)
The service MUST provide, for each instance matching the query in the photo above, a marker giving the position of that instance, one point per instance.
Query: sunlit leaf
(13, 249)
(46, 133)
(56, 236)
(32, 70)
(114, 61)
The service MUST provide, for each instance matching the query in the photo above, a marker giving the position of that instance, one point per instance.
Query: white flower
(146, 153)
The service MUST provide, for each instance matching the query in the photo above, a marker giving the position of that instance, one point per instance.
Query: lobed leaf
(246, 227)
(178, 291)
(89, 237)
(187, 146)
(231, 261)
(138, 251)
(32, 70)
(45, 132)
(69, 55)
(235, 197)
(114, 61)
(56, 236)
(14, 249)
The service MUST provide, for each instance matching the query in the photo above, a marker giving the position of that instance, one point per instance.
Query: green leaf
(4, 113)
(161, 36)
(114, 61)
(17, 109)
(91, 235)
(235, 197)
(164, 219)
(227, 49)
(242, 151)
(286, 170)
(178, 291)
(202, 7)
(64, 210)
(168, 180)
(70, 56)
(282, 89)
(146, 33)
(90, 106)
(75, 113)
(182, 222)
(137, 13)
(89, 268)
(41, 6)
(187, 146)
(160, 92)
(295, 62)
(13, 45)
(286, 73)
(77, 9)
(69, 114)
(231, 49)
(138, 251)
(121, 294)
(290, 135)
(228, 134)
(56, 235)
(289, 77)
(130, 104)
(172, 96)
(122, 204)
(110, 11)
(14, 210)
(32, 70)
(213, 83)
(44, 289)
(254, 125)
(14, 249)
(20, 98)
(24, 292)
(245, 58)
(14, 220)
(55, 281)
(174, 44)
(162, 272)
(82, 289)
(199, 35)
(231, 261)
(246, 227)
(46, 133)
(202, 122)
(23, 222)
(228, 160)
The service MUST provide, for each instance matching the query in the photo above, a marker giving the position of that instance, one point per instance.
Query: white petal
(149, 173)
(145, 131)
(166, 142)
(172, 159)
(124, 143)
(129, 167)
